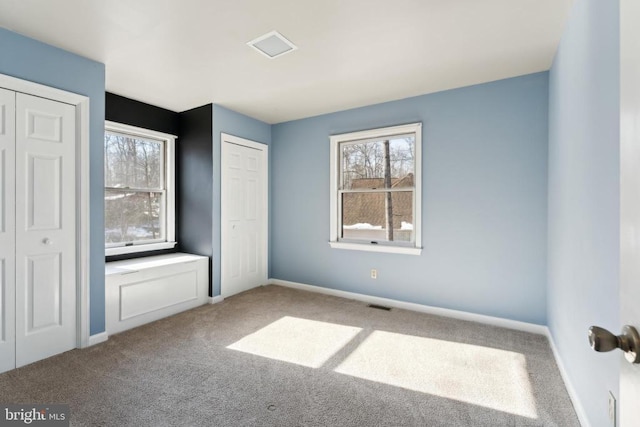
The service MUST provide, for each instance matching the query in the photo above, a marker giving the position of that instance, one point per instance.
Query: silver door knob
(46, 241)
(628, 341)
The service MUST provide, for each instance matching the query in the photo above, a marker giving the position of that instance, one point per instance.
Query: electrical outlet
(612, 410)
(374, 273)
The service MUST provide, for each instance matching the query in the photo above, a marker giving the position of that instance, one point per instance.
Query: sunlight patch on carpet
(303, 342)
(482, 376)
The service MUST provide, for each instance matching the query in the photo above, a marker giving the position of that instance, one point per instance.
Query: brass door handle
(628, 341)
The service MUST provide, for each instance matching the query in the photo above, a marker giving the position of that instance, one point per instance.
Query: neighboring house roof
(405, 181)
(370, 207)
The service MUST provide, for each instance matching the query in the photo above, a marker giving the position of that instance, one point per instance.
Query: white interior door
(244, 215)
(630, 200)
(7, 231)
(45, 228)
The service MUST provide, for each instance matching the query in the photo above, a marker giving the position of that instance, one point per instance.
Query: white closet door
(45, 228)
(7, 231)
(243, 216)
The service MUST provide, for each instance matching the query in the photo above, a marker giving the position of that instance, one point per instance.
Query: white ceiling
(181, 54)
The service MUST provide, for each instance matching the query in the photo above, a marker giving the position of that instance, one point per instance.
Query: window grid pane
(383, 163)
(134, 217)
(133, 162)
(365, 216)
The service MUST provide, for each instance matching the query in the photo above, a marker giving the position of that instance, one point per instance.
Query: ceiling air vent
(272, 45)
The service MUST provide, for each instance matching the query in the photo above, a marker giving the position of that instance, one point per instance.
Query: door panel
(7, 231)
(251, 200)
(45, 228)
(43, 192)
(44, 126)
(243, 216)
(44, 292)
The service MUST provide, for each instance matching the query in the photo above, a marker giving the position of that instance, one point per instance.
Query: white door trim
(231, 139)
(81, 104)
(629, 292)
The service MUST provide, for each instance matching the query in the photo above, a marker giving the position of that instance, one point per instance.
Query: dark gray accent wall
(135, 113)
(194, 198)
(194, 168)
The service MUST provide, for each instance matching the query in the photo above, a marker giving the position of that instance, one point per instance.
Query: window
(139, 197)
(376, 190)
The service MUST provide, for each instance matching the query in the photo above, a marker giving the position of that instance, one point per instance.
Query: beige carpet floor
(275, 356)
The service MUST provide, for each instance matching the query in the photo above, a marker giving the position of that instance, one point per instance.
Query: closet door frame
(81, 104)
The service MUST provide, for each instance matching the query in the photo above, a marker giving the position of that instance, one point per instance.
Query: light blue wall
(31, 60)
(484, 207)
(583, 253)
(232, 123)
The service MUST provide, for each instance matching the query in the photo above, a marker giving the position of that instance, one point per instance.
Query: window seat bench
(143, 290)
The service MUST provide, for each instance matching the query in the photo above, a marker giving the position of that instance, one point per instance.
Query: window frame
(335, 241)
(169, 175)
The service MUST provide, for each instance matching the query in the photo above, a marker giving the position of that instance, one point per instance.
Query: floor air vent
(379, 307)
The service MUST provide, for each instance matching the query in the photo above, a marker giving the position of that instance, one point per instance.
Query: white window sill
(122, 250)
(376, 248)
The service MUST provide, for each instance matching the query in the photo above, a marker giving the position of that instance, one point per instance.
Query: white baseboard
(456, 314)
(98, 338)
(216, 299)
(573, 395)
